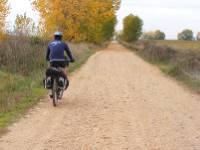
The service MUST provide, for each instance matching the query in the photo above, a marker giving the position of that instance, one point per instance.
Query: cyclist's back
(59, 55)
(56, 51)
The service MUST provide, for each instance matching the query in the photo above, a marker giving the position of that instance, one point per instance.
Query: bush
(132, 29)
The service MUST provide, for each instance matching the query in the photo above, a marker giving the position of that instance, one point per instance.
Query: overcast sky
(170, 16)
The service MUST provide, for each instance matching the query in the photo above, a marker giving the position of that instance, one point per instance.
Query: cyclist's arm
(69, 53)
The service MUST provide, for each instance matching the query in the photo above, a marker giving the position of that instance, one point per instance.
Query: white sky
(171, 16)
(20, 7)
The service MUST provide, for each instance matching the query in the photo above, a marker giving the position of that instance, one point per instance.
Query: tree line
(132, 31)
(79, 20)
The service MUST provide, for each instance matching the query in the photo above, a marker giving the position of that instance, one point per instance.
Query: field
(182, 45)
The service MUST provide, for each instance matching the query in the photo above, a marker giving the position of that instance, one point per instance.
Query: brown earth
(116, 101)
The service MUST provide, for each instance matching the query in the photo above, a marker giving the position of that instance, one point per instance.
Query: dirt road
(116, 101)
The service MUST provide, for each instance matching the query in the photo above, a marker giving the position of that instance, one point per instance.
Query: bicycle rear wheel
(54, 92)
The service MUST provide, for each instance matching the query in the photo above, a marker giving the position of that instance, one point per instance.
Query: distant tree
(154, 35)
(186, 35)
(132, 29)
(118, 35)
(4, 10)
(198, 36)
(24, 25)
(159, 35)
(148, 35)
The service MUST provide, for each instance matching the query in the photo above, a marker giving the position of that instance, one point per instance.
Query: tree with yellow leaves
(79, 20)
(4, 10)
(24, 25)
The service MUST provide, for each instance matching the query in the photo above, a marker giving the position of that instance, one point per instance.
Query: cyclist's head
(58, 35)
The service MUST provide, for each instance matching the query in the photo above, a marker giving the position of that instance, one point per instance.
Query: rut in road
(116, 101)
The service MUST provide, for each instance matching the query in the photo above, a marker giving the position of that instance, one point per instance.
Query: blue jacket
(56, 51)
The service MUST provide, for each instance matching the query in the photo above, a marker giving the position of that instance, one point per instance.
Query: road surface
(116, 101)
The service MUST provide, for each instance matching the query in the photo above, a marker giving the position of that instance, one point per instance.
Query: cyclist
(59, 55)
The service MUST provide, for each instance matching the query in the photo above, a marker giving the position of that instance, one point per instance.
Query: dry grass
(181, 45)
(22, 55)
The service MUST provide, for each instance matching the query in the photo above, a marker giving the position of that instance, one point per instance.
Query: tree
(148, 36)
(4, 10)
(132, 28)
(159, 35)
(186, 35)
(154, 35)
(79, 20)
(24, 25)
(198, 36)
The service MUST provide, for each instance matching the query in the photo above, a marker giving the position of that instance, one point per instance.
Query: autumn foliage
(79, 20)
(4, 9)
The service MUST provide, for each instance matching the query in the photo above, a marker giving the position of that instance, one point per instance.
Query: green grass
(19, 93)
